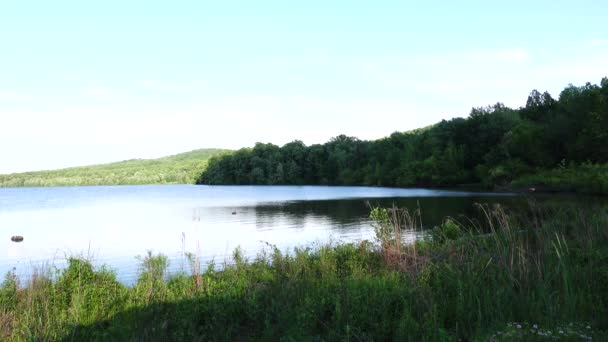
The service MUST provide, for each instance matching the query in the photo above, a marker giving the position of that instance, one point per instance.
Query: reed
(512, 276)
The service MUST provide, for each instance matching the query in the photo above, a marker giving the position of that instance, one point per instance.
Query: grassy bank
(542, 275)
(181, 168)
(585, 178)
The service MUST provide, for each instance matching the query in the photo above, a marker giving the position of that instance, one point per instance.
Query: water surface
(114, 224)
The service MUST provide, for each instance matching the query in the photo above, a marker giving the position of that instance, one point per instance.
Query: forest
(177, 169)
(555, 144)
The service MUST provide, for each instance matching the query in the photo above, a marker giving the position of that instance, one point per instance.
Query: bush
(448, 230)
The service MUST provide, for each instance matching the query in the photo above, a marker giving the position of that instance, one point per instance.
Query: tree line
(493, 146)
(177, 169)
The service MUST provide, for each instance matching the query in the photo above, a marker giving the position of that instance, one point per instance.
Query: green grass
(513, 277)
(181, 168)
(585, 178)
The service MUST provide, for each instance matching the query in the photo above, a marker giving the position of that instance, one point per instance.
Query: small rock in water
(234, 213)
(17, 238)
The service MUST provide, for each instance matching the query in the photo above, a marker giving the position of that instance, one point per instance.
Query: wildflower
(519, 326)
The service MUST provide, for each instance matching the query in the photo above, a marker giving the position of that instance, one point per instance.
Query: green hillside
(176, 169)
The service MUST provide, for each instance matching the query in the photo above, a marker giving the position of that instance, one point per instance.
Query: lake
(114, 224)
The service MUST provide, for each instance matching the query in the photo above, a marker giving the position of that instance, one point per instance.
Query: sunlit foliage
(178, 169)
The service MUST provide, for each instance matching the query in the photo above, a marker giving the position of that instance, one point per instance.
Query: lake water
(114, 224)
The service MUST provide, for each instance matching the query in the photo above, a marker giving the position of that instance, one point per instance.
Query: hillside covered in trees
(561, 144)
(176, 169)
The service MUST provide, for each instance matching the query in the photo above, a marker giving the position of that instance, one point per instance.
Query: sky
(86, 82)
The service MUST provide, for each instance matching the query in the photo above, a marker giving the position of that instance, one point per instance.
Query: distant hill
(181, 168)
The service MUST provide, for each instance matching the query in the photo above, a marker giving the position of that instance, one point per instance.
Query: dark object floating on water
(17, 238)
(234, 213)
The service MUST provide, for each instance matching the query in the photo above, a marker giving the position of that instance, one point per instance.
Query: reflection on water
(115, 224)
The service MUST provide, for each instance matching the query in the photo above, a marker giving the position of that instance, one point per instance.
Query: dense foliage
(180, 168)
(538, 280)
(493, 146)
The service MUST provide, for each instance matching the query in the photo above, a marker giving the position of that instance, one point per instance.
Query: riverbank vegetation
(560, 144)
(587, 178)
(538, 276)
(183, 168)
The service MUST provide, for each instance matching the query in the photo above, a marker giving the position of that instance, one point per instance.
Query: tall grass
(464, 281)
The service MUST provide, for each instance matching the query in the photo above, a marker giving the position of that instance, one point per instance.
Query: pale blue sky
(84, 83)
